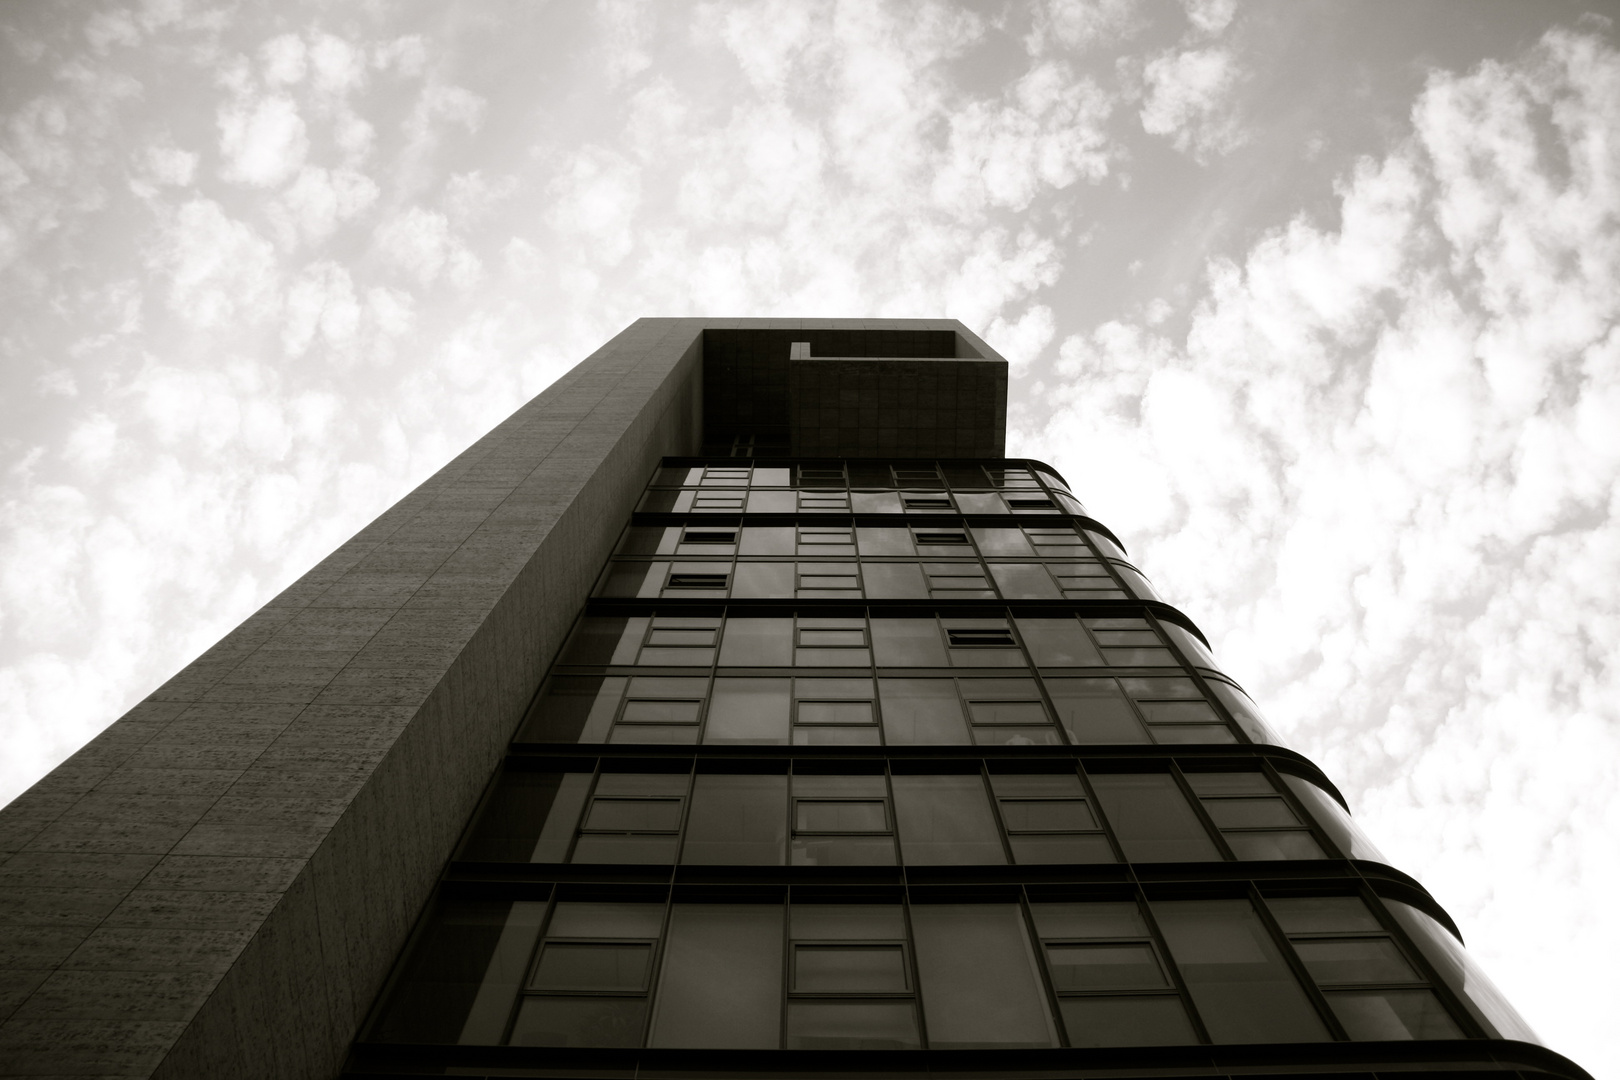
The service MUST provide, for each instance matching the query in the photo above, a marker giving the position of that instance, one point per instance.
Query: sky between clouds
(1316, 304)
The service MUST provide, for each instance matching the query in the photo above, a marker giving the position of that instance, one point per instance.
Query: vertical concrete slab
(218, 883)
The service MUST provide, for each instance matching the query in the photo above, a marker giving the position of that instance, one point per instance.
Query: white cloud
(263, 141)
(1374, 467)
(312, 207)
(1210, 17)
(284, 60)
(1189, 99)
(215, 268)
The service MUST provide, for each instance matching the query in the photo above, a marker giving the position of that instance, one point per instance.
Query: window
(829, 579)
(1369, 983)
(979, 982)
(827, 541)
(1048, 819)
(530, 817)
(811, 476)
(946, 820)
(951, 538)
(849, 979)
(737, 819)
(686, 577)
(913, 502)
(921, 712)
(832, 641)
(680, 641)
(661, 710)
(720, 984)
(1008, 712)
(841, 821)
(982, 643)
(707, 538)
(749, 711)
(824, 500)
(958, 581)
(719, 502)
(1256, 822)
(725, 476)
(1241, 985)
(1130, 643)
(834, 712)
(1112, 986)
(632, 818)
(1176, 711)
(588, 986)
(1151, 818)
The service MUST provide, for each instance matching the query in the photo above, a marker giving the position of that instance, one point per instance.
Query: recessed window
(942, 539)
(698, 581)
(987, 637)
(925, 502)
(709, 536)
(1029, 502)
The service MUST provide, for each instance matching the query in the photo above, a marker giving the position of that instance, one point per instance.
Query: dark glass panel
(848, 922)
(979, 986)
(1158, 1020)
(592, 965)
(907, 642)
(574, 708)
(626, 578)
(1262, 846)
(1151, 818)
(1104, 966)
(895, 581)
(1106, 919)
(660, 712)
(1181, 734)
(1024, 581)
(721, 983)
(518, 813)
(1256, 813)
(634, 815)
(1095, 711)
(1465, 977)
(601, 641)
(1333, 819)
(605, 919)
(763, 580)
(1239, 981)
(738, 819)
(581, 1021)
(854, 969)
(994, 542)
(921, 711)
(832, 1024)
(1105, 545)
(748, 711)
(1179, 712)
(1392, 1015)
(946, 820)
(1354, 960)
(769, 539)
(1058, 643)
(464, 974)
(751, 642)
(840, 815)
(1047, 815)
(1057, 848)
(1322, 914)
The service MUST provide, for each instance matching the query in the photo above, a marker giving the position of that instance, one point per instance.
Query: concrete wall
(218, 884)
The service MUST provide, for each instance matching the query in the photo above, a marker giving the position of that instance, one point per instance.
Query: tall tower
(736, 708)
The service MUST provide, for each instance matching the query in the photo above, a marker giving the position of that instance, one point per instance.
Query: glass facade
(903, 756)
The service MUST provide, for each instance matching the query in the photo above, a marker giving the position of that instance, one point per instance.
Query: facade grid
(904, 756)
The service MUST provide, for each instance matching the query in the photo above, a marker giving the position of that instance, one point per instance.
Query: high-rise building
(735, 709)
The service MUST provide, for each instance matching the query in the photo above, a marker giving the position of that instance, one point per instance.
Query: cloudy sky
(1317, 304)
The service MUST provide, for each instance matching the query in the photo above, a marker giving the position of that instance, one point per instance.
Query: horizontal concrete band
(219, 883)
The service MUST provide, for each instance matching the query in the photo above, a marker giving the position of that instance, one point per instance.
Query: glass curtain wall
(890, 756)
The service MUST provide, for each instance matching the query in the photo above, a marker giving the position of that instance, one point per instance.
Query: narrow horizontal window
(840, 816)
(702, 536)
(593, 966)
(981, 636)
(943, 538)
(698, 581)
(924, 502)
(1028, 502)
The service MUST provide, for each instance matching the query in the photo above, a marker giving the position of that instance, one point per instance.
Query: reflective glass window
(1151, 818)
(946, 820)
(828, 641)
(907, 643)
(768, 539)
(588, 986)
(530, 817)
(737, 818)
(462, 977)
(749, 711)
(1130, 643)
(1024, 581)
(995, 542)
(1255, 820)
(1049, 820)
(680, 641)
(979, 982)
(720, 985)
(574, 708)
(1058, 643)
(834, 712)
(894, 581)
(757, 642)
(632, 818)
(921, 712)
(1241, 985)
(1369, 983)
(1095, 711)
(601, 640)
(1334, 820)
(763, 580)
(1462, 973)
(841, 820)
